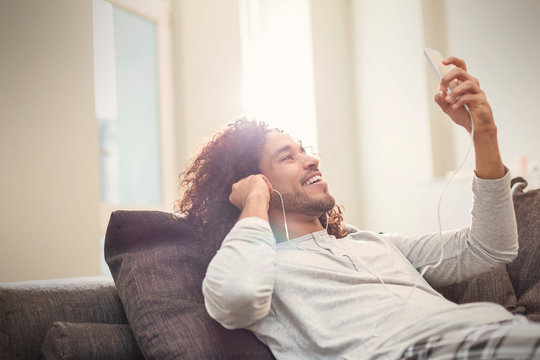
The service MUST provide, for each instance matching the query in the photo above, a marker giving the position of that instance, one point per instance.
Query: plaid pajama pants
(509, 340)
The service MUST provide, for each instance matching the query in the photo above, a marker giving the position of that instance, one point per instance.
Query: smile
(312, 180)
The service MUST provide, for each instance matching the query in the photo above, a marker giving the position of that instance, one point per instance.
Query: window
(127, 107)
(133, 108)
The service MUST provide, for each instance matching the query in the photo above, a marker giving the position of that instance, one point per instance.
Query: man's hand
(468, 92)
(252, 196)
(488, 159)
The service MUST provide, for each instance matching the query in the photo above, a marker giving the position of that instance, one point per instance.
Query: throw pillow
(158, 265)
(493, 286)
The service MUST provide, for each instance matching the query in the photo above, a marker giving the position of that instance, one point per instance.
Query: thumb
(439, 99)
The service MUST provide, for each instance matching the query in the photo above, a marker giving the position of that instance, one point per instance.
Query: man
(310, 288)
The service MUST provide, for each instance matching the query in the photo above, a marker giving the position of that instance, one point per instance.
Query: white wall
(391, 111)
(49, 185)
(208, 77)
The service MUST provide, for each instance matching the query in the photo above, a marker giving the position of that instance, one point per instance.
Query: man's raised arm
(239, 280)
(488, 159)
(491, 239)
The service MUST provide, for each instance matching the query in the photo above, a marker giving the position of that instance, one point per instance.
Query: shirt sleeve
(489, 240)
(240, 278)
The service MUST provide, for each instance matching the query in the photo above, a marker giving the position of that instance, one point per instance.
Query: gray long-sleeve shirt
(359, 297)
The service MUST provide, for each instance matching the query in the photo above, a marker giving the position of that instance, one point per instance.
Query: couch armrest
(28, 309)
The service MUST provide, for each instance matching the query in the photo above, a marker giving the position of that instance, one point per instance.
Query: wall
(48, 149)
(393, 132)
(207, 63)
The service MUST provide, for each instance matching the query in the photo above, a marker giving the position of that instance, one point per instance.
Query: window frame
(159, 12)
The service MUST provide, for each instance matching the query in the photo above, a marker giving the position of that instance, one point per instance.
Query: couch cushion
(524, 271)
(493, 286)
(87, 341)
(27, 310)
(158, 264)
(531, 303)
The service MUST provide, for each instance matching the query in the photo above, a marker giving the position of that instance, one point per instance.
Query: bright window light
(278, 66)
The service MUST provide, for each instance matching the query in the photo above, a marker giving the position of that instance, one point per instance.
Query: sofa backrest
(29, 308)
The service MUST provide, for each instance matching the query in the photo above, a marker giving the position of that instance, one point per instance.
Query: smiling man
(288, 171)
(310, 287)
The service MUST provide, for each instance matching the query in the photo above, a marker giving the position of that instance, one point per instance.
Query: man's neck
(297, 225)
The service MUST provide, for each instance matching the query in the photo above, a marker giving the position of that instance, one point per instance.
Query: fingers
(439, 99)
(465, 99)
(466, 84)
(466, 87)
(452, 60)
(458, 76)
(450, 107)
(252, 184)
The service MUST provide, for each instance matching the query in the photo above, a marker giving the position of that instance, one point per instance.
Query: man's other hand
(468, 92)
(251, 194)
(488, 163)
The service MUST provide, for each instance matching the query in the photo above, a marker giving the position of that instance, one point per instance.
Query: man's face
(295, 175)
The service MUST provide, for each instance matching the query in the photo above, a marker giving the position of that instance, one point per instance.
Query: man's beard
(303, 204)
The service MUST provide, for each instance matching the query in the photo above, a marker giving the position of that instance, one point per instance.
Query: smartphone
(435, 59)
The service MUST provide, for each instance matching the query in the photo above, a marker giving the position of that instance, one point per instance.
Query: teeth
(313, 179)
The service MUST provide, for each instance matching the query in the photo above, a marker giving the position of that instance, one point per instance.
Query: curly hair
(207, 180)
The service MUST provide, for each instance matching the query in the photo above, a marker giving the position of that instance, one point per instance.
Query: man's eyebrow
(282, 149)
(288, 148)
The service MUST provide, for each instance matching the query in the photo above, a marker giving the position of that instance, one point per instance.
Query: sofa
(153, 307)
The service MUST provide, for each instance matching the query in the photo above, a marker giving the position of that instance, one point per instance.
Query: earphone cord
(285, 219)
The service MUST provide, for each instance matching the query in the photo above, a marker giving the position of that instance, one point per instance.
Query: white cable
(285, 220)
(284, 217)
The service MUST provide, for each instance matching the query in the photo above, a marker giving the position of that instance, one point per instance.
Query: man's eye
(287, 157)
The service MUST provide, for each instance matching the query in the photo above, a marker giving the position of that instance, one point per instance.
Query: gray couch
(153, 308)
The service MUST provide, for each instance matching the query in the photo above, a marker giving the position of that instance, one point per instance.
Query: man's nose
(310, 161)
